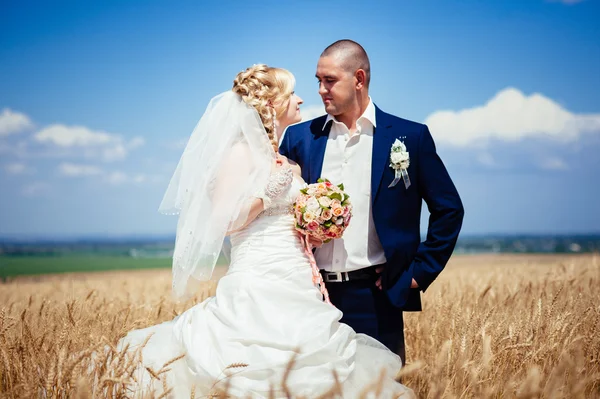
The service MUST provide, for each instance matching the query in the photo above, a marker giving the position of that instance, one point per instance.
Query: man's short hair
(352, 55)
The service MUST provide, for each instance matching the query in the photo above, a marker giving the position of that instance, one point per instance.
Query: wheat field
(493, 326)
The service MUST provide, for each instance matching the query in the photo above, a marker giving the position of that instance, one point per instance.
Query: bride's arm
(265, 196)
(235, 172)
(256, 206)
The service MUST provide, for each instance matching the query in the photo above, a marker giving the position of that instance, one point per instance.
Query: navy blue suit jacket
(396, 210)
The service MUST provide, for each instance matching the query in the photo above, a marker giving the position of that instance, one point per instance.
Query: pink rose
(326, 214)
(334, 231)
(312, 226)
(339, 211)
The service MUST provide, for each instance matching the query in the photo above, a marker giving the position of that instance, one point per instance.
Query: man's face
(337, 87)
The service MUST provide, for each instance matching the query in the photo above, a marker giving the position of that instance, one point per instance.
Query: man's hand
(378, 282)
(413, 284)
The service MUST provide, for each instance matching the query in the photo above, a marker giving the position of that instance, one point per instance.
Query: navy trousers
(367, 310)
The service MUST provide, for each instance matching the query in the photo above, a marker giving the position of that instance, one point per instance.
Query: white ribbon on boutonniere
(399, 161)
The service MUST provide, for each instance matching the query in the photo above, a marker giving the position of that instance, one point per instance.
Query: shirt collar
(369, 115)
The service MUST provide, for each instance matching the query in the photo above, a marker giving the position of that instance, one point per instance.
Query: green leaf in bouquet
(336, 196)
(341, 186)
(304, 191)
(328, 223)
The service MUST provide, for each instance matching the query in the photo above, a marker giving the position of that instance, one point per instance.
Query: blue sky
(96, 100)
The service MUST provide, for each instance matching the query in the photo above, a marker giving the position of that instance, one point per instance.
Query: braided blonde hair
(268, 90)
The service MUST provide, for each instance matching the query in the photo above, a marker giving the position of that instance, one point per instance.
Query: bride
(267, 322)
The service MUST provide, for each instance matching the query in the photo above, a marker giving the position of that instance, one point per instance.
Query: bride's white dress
(265, 310)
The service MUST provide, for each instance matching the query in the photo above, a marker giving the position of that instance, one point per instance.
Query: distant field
(26, 265)
(11, 266)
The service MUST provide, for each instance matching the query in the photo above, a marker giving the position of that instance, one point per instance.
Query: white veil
(226, 161)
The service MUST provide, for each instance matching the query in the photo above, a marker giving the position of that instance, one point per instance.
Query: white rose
(309, 216)
(400, 145)
(325, 201)
(313, 205)
(398, 157)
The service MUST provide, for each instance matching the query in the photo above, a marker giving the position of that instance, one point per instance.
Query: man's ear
(361, 78)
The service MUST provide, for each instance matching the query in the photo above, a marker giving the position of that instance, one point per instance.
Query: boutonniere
(399, 161)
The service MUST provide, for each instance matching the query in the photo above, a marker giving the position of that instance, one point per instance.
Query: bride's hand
(315, 242)
(280, 163)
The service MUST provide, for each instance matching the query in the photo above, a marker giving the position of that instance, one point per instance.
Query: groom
(380, 266)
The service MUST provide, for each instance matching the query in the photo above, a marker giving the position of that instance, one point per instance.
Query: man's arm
(445, 221)
(446, 214)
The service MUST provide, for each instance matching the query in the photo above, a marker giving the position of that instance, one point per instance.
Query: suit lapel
(382, 143)
(317, 148)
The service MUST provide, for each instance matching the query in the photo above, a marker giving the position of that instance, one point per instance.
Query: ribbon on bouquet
(317, 278)
(400, 173)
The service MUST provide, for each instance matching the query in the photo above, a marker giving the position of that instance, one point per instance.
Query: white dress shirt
(348, 161)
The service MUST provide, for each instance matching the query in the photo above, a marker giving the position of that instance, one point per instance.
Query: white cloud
(178, 144)
(510, 116)
(553, 163)
(311, 112)
(15, 168)
(72, 136)
(485, 158)
(35, 189)
(76, 170)
(148, 179)
(111, 153)
(139, 178)
(567, 2)
(13, 122)
(92, 144)
(18, 168)
(116, 178)
(136, 142)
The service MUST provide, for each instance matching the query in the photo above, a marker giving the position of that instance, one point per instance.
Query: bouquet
(323, 211)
